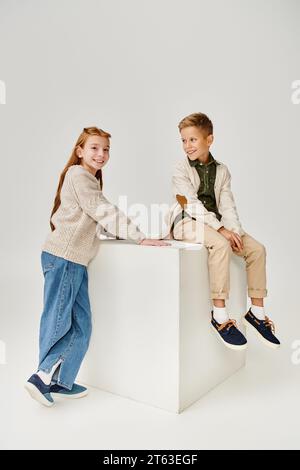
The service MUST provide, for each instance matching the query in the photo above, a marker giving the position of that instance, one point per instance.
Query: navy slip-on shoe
(38, 390)
(77, 391)
(228, 333)
(264, 329)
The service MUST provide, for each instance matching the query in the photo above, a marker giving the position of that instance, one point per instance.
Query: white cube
(152, 340)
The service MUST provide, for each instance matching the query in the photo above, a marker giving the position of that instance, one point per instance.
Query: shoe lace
(227, 324)
(269, 324)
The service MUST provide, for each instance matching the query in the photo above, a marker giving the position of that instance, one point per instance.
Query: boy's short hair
(198, 120)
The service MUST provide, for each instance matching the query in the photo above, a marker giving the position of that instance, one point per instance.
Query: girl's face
(94, 154)
(195, 144)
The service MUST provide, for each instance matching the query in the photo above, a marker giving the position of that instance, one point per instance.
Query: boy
(205, 208)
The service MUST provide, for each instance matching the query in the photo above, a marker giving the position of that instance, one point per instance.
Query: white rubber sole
(230, 346)
(37, 395)
(70, 397)
(262, 339)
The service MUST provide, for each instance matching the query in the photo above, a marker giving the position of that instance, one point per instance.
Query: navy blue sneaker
(264, 329)
(229, 334)
(39, 391)
(77, 391)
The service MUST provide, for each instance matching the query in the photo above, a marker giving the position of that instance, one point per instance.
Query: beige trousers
(219, 254)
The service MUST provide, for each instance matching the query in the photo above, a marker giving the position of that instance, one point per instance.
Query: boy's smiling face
(196, 143)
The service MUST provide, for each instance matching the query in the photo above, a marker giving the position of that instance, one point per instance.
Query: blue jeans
(66, 322)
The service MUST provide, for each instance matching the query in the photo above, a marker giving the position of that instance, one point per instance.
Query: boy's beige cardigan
(185, 185)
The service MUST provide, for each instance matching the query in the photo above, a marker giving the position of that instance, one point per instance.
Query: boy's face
(195, 143)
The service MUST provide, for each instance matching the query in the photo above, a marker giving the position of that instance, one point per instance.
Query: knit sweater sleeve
(92, 201)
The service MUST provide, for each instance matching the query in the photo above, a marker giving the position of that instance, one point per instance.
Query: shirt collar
(197, 162)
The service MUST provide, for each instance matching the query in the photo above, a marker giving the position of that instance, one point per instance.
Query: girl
(65, 326)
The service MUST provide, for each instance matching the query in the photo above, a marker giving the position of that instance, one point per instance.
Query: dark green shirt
(207, 174)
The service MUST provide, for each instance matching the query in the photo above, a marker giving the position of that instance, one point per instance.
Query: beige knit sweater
(83, 206)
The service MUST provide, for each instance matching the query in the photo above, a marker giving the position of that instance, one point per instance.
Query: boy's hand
(235, 240)
(152, 242)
